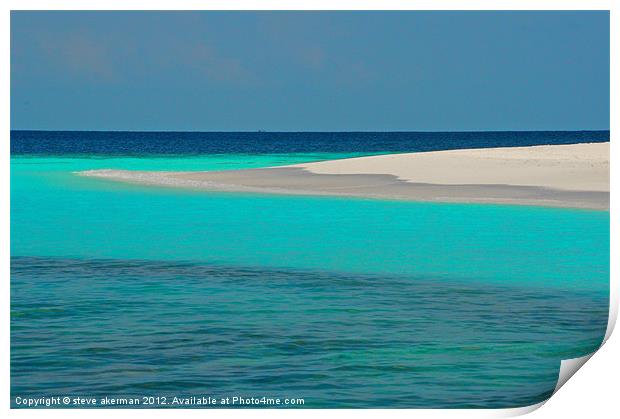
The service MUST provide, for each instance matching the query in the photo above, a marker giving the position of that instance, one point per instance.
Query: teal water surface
(128, 290)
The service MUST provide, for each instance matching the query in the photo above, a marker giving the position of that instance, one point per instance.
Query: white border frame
(599, 386)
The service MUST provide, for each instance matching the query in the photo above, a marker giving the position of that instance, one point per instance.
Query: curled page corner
(518, 411)
(568, 368)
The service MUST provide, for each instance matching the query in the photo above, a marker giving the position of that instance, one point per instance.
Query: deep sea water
(122, 290)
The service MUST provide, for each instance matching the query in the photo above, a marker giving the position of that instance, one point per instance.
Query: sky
(310, 71)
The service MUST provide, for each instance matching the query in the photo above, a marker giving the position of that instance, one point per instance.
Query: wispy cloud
(215, 65)
(80, 55)
(313, 57)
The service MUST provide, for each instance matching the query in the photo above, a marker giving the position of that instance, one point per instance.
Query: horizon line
(310, 131)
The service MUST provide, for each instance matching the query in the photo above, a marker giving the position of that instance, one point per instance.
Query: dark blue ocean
(132, 143)
(127, 291)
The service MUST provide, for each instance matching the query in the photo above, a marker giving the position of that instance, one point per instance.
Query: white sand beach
(575, 175)
(577, 167)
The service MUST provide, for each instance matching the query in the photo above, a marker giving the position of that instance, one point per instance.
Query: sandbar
(575, 176)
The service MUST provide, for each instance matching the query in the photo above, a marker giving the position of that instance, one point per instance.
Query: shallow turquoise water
(59, 214)
(346, 302)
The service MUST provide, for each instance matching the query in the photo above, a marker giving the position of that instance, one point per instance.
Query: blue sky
(310, 71)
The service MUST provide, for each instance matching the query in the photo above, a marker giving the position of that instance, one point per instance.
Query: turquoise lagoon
(120, 290)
